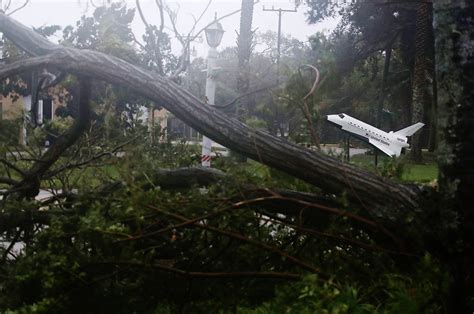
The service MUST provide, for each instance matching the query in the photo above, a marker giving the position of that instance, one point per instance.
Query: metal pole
(280, 11)
(210, 94)
(278, 46)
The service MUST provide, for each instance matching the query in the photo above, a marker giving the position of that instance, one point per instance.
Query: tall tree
(455, 72)
(420, 88)
(368, 28)
(244, 50)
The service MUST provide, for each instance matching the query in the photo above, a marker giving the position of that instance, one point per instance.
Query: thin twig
(196, 21)
(140, 12)
(275, 218)
(11, 245)
(7, 7)
(19, 8)
(233, 101)
(243, 238)
(90, 160)
(159, 4)
(195, 220)
(12, 166)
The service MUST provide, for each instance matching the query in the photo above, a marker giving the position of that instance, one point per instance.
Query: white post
(26, 114)
(39, 119)
(210, 93)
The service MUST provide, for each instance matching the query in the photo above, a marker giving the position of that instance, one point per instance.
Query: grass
(410, 172)
(420, 173)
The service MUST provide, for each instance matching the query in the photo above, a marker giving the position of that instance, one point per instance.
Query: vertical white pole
(26, 108)
(210, 94)
(52, 109)
(40, 112)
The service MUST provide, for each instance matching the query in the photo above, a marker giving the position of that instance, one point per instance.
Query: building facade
(13, 107)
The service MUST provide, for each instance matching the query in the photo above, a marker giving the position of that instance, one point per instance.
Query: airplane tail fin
(410, 130)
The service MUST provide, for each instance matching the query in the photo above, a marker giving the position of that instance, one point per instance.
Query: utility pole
(280, 11)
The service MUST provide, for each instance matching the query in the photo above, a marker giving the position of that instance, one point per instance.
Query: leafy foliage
(392, 293)
(144, 248)
(113, 238)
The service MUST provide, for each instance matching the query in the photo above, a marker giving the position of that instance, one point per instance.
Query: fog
(67, 12)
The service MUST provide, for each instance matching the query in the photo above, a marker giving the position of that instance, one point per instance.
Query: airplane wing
(410, 130)
(391, 151)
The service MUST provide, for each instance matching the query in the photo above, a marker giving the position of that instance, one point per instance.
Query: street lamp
(214, 34)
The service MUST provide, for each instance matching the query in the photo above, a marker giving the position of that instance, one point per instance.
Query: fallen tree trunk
(367, 189)
(169, 179)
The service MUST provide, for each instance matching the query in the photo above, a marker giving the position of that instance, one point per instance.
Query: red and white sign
(206, 152)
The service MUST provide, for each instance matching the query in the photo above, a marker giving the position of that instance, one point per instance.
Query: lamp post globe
(214, 33)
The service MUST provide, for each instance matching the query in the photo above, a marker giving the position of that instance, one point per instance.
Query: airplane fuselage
(390, 143)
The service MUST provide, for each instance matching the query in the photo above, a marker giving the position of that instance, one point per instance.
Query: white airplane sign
(390, 143)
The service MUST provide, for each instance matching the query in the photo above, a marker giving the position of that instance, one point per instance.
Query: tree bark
(420, 75)
(386, 69)
(369, 191)
(244, 50)
(180, 178)
(454, 27)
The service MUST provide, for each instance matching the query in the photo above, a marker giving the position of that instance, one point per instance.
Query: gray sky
(67, 12)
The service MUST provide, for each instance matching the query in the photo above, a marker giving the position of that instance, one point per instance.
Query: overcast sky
(67, 12)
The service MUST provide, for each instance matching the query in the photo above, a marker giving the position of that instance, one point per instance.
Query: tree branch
(195, 274)
(316, 168)
(12, 166)
(233, 101)
(242, 238)
(306, 112)
(140, 12)
(54, 172)
(159, 4)
(19, 8)
(8, 181)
